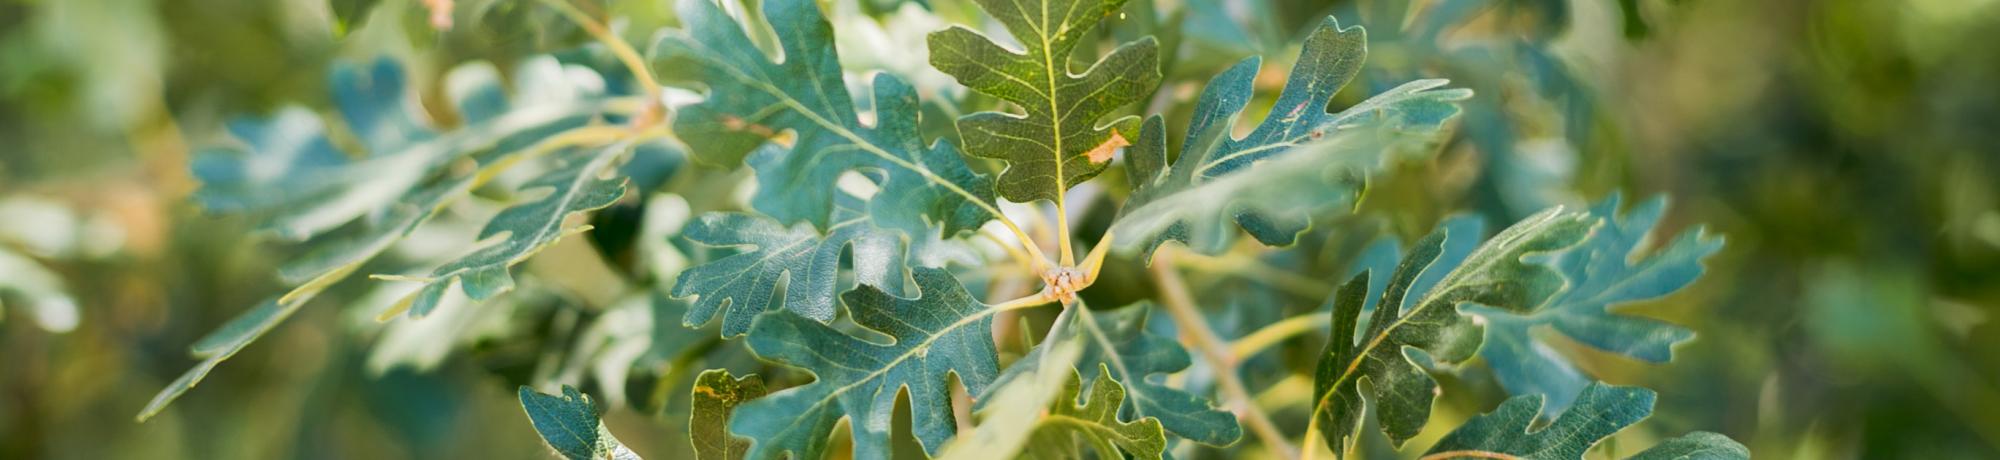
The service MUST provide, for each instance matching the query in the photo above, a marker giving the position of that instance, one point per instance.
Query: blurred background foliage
(1845, 148)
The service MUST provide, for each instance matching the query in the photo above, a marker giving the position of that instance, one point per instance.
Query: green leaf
(806, 262)
(574, 187)
(1602, 272)
(1301, 159)
(716, 394)
(287, 171)
(942, 331)
(1008, 413)
(569, 424)
(1497, 274)
(1048, 148)
(1094, 422)
(1142, 360)
(1600, 411)
(752, 100)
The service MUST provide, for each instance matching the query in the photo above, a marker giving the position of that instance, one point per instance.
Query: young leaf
(1600, 410)
(1496, 274)
(807, 262)
(752, 99)
(1300, 159)
(575, 187)
(1047, 149)
(1140, 359)
(1601, 273)
(943, 330)
(716, 394)
(1095, 422)
(569, 424)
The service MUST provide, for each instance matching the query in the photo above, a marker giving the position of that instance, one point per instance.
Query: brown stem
(1180, 304)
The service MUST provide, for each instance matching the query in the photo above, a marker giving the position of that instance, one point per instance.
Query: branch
(1180, 303)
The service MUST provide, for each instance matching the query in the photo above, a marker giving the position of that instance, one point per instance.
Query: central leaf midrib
(907, 353)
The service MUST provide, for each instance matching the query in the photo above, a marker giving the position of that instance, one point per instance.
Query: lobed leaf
(291, 174)
(574, 187)
(569, 424)
(716, 395)
(943, 330)
(1300, 159)
(804, 261)
(1601, 272)
(753, 100)
(1497, 274)
(1142, 360)
(1048, 148)
(1093, 421)
(1599, 411)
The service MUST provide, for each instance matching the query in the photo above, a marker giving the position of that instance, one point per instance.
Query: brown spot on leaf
(1110, 146)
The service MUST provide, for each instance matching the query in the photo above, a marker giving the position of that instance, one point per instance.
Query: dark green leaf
(1300, 159)
(1600, 411)
(716, 394)
(751, 100)
(569, 424)
(1049, 148)
(1602, 272)
(806, 262)
(942, 331)
(1497, 274)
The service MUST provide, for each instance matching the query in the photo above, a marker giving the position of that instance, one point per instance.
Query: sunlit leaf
(1072, 423)
(1498, 274)
(569, 424)
(1047, 146)
(716, 395)
(1510, 431)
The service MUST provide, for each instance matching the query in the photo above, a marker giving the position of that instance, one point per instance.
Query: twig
(1180, 304)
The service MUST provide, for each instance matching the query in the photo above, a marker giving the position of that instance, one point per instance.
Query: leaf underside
(1093, 421)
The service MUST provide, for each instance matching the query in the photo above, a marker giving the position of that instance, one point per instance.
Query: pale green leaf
(1498, 274)
(574, 187)
(942, 332)
(1299, 160)
(1070, 424)
(1601, 272)
(1142, 360)
(1600, 410)
(716, 395)
(569, 424)
(1048, 148)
